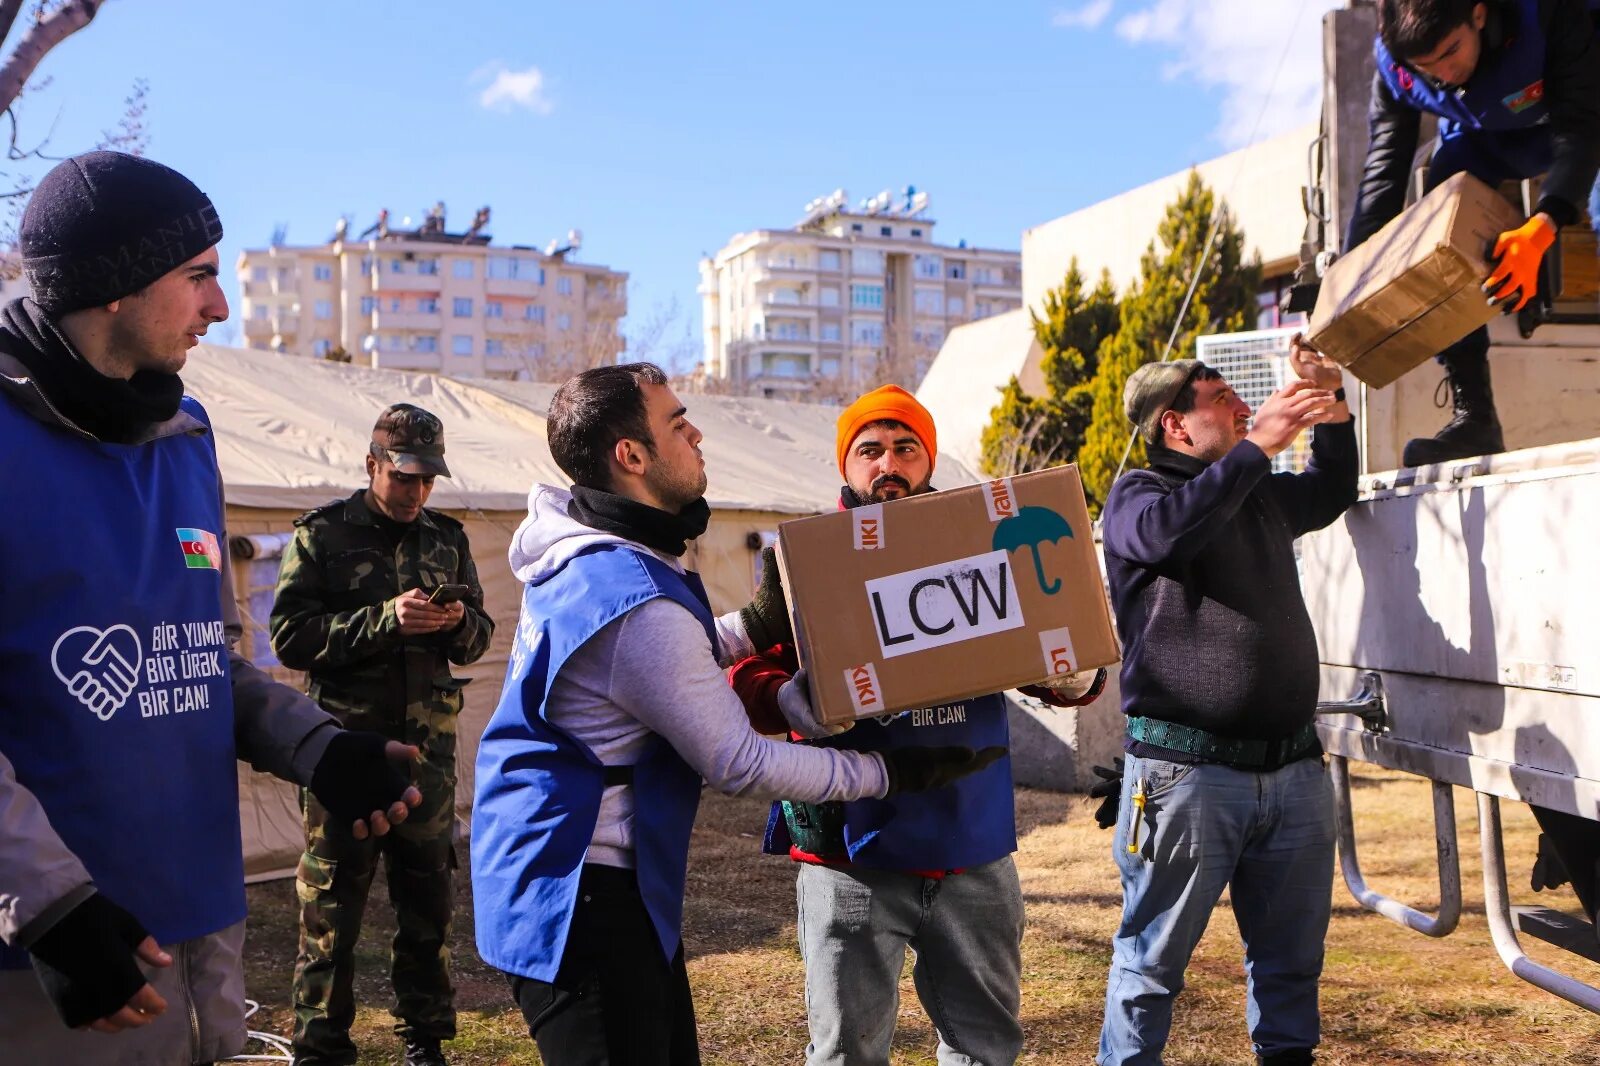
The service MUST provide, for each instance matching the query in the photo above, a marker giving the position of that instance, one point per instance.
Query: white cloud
(511, 89)
(1087, 17)
(1236, 45)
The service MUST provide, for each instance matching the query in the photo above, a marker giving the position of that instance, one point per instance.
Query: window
(866, 296)
(424, 342)
(323, 309)
(427, 305)
(829, 368)
(428, 267)
(322, 272)
(502, 266)
(829, 331)
(866, 261)
(493, 346)
(564, 286)
(886, 231)
(366, 266)
(369, 304)
(956, 270)
(981, 309)
(259, 312)
(534, 313)
(321, 348)
(929, 301)
(790, 331)
(461, 307)
(866, 332)
(855, 227)
(563, 321)
(494, 309)
(828, 259)
(397, 266)
(461, 344)
(461, 268)
(930, 267)
(537, 273)
(915, 232)
(258, 273)
(394, 304)
(984, 275)
(285, 277)
(956, 306)
(601, 289)
(828, 296)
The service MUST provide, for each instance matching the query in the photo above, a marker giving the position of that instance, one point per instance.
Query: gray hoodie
(614, 703)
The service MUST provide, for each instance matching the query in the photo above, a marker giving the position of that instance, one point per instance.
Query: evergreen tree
(1223, 302)
(1030, 432)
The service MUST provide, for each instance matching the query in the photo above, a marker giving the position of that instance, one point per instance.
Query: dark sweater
(1200, 558)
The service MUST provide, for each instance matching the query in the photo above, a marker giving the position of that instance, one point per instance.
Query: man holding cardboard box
(1224, 785)
(931, 872)
(614, 709)
(1516, 86)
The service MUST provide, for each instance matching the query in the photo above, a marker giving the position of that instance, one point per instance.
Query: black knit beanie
(105, 224)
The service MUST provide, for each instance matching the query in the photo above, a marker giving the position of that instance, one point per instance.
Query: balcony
(786, 307)
(260, 327)
(406, 360)
(503, 364)
(429, 320)
(526, 288)
(409, 281)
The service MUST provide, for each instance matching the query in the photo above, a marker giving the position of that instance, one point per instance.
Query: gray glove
(794, 700)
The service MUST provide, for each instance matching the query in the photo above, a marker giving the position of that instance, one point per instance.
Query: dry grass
(1390, 996)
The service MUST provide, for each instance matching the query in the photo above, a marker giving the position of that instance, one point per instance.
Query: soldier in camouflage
(353, 608)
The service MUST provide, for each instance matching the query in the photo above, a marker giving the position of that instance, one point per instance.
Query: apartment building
(426, 299)
(846, 298)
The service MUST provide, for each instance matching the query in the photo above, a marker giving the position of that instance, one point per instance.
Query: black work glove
(356, 776)
(766, 617)
(86, 963)
(922, 769)
(1108, 790)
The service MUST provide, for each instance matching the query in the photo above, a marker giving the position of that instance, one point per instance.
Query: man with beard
(121, 867)
(932, 872)
(614, 708)
(1224, 785)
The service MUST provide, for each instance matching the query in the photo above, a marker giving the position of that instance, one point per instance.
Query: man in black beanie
(125, 706)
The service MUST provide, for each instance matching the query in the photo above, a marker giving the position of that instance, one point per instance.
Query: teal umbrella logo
(1029, 528)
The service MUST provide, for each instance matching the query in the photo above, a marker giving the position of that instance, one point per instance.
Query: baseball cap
(412, 439)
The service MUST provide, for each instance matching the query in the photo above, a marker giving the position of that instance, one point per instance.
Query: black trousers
(615, 1001)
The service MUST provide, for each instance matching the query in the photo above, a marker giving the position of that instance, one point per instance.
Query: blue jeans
(966, 929)
(1268, 838)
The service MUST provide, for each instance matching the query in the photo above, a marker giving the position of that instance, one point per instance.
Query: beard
(676, 489)
(876, 492)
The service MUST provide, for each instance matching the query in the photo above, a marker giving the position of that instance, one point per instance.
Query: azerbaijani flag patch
(200, 549)
(1520, 101)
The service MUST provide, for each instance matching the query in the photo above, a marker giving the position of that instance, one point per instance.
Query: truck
(1455, 605)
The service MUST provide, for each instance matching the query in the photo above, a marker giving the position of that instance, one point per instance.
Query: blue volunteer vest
(1506, 92)
(964, 824)
(117, 710)
(538, 789)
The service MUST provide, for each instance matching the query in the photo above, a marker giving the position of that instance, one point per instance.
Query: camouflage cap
(1151, 391)
(410, 438)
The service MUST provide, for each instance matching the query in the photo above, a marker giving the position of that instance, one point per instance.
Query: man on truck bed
(1516, 86)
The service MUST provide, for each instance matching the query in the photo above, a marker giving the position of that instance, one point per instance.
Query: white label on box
(999, 499)
(944, 604)
(865, 692)
(1057, 647)
(867, 526)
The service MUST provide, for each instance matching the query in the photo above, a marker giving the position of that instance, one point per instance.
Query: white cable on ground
(283, 1051)
(1216, 219)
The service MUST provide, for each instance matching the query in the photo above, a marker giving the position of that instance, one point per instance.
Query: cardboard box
(1413, 288)
(936, 598)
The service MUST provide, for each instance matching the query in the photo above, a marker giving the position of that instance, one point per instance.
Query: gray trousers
(966, 932)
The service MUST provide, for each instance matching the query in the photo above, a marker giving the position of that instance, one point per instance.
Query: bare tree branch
(50, 30)
(9, 10)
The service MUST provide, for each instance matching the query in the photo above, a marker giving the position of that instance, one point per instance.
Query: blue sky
(660, 130)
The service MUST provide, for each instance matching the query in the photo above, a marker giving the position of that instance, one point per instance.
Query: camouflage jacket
(333, 617)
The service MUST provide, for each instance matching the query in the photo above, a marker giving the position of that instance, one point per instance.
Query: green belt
(1241, 754)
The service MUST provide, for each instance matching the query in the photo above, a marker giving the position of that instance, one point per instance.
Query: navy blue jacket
(1200, 559)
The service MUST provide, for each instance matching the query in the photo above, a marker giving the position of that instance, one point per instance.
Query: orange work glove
(1514, 278)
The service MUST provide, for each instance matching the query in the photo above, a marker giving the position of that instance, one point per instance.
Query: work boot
(421, 1051)
(1475, 428)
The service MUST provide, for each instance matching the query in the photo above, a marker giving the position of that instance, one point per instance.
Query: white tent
(963, 385)
(292, 434)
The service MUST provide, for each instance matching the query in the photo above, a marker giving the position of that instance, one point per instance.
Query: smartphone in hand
(447, 594)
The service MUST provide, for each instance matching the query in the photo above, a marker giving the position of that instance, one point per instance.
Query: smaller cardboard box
(940, 597)
(1413, 288)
